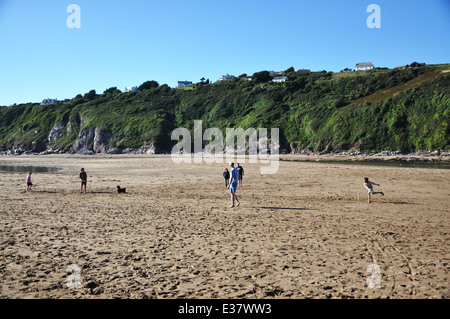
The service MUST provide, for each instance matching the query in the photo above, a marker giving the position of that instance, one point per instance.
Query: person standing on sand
(226, 176)
(233, 184)
(29, 183)
(368, 185)
(83, 177)
(241, 173)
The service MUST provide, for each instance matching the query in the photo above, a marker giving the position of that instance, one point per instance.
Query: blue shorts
(233, 188)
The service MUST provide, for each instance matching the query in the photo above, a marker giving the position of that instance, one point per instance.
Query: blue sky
(125, 43)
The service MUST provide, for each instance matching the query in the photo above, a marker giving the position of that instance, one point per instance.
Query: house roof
(280, 78)
(364, 64)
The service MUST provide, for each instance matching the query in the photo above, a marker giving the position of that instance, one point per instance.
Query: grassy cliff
(405, 110)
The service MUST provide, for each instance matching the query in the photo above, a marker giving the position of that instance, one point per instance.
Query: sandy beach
(299, 233)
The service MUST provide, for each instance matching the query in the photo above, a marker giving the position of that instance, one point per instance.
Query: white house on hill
(131, 89)
(49, 102)
(226, 77)
(182, 84)
(364, 66)
(276, 72)
(280, 79)
(401, 66)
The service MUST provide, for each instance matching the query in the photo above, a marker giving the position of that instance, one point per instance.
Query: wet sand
(300, 233)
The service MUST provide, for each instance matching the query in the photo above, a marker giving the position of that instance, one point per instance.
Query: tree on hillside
(90, 95)
(261, 77)
(112, 90)
(148, 85)
(290, 70)
(164, 89)
(416, 64)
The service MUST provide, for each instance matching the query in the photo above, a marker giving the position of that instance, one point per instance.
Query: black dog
(121, 190)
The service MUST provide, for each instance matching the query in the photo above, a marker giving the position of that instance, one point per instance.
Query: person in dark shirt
(241, 173)
(226, 176)
(83, 177)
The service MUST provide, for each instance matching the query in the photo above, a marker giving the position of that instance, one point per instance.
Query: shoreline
(69, 164)
(369, 158)
(415, 157)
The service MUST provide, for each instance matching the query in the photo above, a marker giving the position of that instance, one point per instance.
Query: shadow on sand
(402, 203)
(285, 208)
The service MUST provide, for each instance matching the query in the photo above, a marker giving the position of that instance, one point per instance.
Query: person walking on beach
(29, 183)
(369, 186)
(83, 177)
(226, 176)
(233, 184)
(241, 173)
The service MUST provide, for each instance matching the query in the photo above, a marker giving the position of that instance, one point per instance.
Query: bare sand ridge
(301, 233)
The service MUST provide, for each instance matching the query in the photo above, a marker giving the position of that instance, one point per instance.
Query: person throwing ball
(233, 184)
(368, 185)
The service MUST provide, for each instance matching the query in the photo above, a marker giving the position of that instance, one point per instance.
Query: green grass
(391, 92)
(370, 111)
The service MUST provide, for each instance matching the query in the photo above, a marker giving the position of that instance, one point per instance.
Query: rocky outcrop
(38, 146)
(84, 142)
(101, 140)
(70, 126)
(94, 141)
(146, 149)
(56, 132)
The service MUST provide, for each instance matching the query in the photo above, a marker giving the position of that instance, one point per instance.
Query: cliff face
(394, 110)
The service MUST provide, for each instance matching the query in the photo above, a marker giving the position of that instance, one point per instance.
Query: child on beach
(368, 185)
(233, 184)
(29, 183)
(83, 177)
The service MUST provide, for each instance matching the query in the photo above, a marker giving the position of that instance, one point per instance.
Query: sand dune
(300, 233)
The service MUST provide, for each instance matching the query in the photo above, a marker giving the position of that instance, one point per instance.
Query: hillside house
(364, 66)
(183, 84)
(49, 102)
(276, 72)
(226, 77)
(280, 79)
(131, 89)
